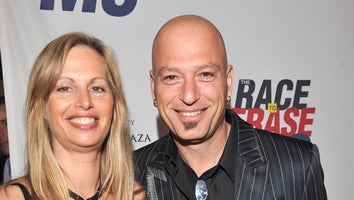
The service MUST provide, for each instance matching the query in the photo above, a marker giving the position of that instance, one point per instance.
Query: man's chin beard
(189, 125)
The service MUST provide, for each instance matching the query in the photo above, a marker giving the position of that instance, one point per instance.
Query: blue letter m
(68, 5)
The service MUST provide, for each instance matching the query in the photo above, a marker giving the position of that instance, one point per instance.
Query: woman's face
(79, 109)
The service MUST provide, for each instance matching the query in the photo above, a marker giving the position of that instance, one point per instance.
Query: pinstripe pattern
(268, 166)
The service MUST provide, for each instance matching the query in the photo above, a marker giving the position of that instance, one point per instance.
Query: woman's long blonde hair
(44, 173)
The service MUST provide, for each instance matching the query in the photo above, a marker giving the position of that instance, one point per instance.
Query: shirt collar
(170, 155)
(227, 160)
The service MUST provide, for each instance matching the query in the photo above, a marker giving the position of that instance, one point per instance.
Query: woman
(78, 139)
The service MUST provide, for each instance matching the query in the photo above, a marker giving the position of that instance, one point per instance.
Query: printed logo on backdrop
(283, 110)
(123, 8)
(138, 137)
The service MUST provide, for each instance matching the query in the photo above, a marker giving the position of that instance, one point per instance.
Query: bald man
(210, 152)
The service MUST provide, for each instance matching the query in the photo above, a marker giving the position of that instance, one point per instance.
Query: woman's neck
(82, 171)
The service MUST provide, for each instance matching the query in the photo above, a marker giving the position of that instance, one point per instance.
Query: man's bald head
(185, 30)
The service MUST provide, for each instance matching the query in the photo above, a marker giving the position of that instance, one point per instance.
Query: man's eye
(170, 77)
(207, 76)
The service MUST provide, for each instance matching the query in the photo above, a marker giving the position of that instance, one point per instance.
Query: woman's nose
(84, 100)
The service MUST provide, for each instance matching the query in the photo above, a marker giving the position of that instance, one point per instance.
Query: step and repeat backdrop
(293, 64)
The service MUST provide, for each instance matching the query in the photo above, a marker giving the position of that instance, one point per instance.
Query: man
(5, 171)
(210, 151)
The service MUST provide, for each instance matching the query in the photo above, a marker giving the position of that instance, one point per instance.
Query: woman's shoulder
(12, 190)
(139, 193)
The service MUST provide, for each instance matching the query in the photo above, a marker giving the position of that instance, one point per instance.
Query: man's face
(4, 143)
(190, 83)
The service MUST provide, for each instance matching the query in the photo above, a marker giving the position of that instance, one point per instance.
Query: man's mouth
(190, 114)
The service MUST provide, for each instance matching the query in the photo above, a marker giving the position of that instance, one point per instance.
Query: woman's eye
(64, 89)
(98, 89)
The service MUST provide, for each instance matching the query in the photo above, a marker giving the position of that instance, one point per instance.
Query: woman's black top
(24, 190)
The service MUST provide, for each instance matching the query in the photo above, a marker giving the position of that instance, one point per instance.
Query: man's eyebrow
(177, 69)
(174, 69)
(208, 66)
(167, 69)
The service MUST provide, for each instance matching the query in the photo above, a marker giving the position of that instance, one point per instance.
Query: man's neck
(202, 157)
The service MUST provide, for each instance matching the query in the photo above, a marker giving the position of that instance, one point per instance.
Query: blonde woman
(78, 140)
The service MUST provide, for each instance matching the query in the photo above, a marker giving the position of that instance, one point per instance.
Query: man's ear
(152, 84)
(229, 79)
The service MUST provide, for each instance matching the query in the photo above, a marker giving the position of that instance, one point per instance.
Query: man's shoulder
(277, 147)
(152, 152)
(154, 146)
(271, 138)
(258, 147)
(266, 138)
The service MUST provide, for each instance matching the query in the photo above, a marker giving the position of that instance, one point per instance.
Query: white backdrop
(301, 52)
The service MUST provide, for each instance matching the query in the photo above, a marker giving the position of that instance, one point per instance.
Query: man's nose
(190, 92)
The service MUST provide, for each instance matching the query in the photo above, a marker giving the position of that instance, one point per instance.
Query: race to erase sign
(279, 107)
